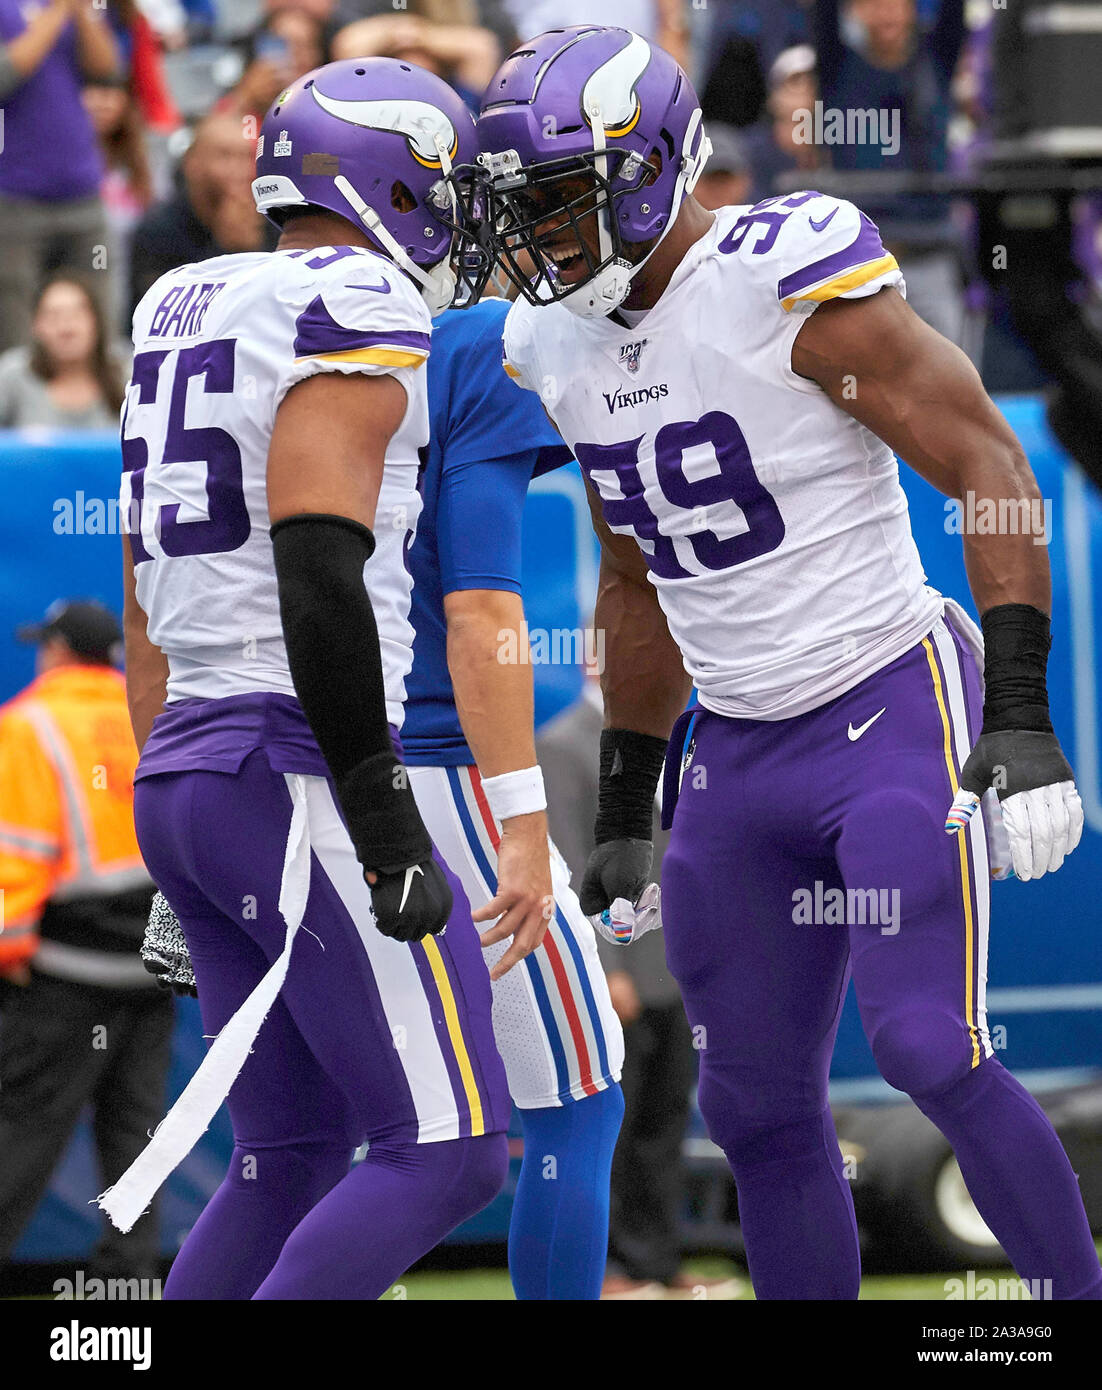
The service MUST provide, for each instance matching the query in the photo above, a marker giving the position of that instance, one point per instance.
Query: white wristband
(515, 793)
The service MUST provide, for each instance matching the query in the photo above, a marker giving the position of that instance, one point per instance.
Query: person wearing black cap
(82, 1021)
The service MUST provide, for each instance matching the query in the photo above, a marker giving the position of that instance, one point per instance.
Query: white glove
(623, 923)
(1044, 825)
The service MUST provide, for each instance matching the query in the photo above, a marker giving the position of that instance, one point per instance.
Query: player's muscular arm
(636, 639)
(645, 688)
(881, 364)
(325, 467)
(329, 443)
(495, 702)
(146, 665)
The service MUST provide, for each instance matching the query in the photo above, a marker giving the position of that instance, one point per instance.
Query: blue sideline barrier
(58, 537)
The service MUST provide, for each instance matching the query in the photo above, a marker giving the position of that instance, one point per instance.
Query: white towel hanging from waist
(188, 1119)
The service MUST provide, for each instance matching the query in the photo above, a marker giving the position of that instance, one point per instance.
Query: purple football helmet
(376, 141)
(586, 122)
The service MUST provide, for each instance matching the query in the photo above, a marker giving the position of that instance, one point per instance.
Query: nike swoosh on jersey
(384, 288)
(855, 734)
(416, 869)
(818, 226)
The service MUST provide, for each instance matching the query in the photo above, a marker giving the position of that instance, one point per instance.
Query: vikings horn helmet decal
(427, 129)
(611, 89)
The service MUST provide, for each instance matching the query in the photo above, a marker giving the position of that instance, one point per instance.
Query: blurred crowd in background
(129, 136)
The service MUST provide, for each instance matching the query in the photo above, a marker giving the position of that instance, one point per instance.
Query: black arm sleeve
(331, 637)
(333, 652)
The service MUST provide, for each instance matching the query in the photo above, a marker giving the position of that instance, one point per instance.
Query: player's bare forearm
(637, 641)
(492, 681)
(491, 673)
(880, 363)
(146, 665)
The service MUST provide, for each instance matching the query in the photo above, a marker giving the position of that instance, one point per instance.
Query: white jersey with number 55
(217, 346)
(774, 526)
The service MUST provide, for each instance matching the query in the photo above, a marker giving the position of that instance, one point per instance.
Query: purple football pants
(329, 1068)
(806, 850)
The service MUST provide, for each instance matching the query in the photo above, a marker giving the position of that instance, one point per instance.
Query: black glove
(410, 895)
(1015, 760)
(413, 902)
(616, 869)
(1017, 751)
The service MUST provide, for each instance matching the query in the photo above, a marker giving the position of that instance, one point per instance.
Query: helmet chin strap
(438, 284)
(610, 287)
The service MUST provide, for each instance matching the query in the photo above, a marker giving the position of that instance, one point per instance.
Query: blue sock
(558, 1234)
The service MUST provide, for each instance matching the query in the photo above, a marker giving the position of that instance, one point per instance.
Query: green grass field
(492, 1285)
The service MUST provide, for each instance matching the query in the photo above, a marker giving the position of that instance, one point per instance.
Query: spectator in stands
(464, 55)
(662, 21)
(895, 67)
(50, 164)
(659, 1063)
(169, 20)
(726, 180)
(83, 1021)
(67, 378)
(140, 46)
(212, 214)
(770, 25)
(772, 144)
(487, 14)
(742, 41)
(127, 189)
(289, 43)
(325, 10)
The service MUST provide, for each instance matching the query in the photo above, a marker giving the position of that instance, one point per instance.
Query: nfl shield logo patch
(629, 355)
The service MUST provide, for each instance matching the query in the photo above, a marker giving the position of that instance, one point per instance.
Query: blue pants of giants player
(772, 820)
(370, 1039)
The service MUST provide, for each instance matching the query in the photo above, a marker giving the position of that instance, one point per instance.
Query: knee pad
(759, 1123)
(306, 1169)
(922, 1053)
(789, 1144)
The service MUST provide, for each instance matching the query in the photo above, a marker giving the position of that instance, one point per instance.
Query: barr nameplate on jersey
(181, 312)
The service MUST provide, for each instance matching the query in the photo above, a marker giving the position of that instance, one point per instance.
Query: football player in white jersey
(270, 438)
(734, 386)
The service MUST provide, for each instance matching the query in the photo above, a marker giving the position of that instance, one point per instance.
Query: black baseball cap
(90, 629)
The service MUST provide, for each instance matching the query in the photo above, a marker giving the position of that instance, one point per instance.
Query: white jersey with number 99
(773, 524)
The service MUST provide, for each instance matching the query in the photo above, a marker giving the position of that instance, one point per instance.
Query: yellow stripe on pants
(455, 1032)
(962, 846)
